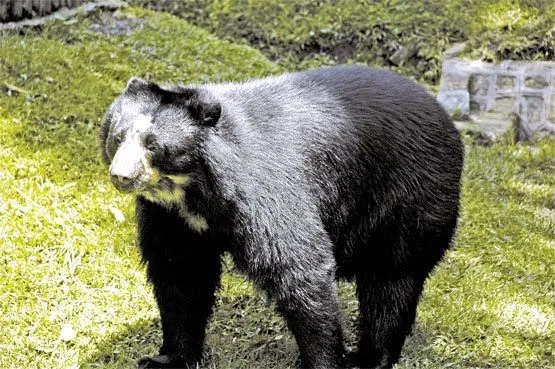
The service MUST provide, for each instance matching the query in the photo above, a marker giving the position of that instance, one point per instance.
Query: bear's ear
(136, 84)
(207, 113)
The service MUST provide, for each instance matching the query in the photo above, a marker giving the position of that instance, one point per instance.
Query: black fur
(346, 172)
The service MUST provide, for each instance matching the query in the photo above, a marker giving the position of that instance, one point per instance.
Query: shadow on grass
(245, 333)
(122, 349)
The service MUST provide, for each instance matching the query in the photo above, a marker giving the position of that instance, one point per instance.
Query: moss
(73, 73)
(518, 30)
(311, 33)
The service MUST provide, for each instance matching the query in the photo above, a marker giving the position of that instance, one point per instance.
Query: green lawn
(72, 290)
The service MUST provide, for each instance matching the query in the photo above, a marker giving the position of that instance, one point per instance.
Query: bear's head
(152, 136)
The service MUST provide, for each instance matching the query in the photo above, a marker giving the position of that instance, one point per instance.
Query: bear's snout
(123, 183)
(127, 171)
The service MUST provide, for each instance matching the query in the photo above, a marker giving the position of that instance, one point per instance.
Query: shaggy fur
(346, 172)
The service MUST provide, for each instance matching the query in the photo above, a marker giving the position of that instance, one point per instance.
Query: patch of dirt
(116, 26)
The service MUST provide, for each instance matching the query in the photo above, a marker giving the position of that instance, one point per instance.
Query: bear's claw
(159, 361)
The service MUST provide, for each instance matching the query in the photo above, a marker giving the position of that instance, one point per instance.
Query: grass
(73, 293)
(310, 33)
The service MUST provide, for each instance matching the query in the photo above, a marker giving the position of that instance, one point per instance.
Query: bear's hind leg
(387, 313)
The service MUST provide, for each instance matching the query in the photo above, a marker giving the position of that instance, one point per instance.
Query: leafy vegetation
(406, 36)
(518, 30)
(73, 292)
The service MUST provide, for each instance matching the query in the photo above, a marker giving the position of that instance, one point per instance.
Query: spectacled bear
(342, 172)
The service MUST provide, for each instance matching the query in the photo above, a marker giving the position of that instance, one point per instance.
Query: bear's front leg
(158, 361)
(185, 307)
(184, 268)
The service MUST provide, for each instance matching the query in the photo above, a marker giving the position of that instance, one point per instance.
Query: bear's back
(362, 141)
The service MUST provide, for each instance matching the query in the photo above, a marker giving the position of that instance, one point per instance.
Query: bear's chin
(168, 190)
(163, 197)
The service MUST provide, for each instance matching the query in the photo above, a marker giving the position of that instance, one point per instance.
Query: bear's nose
(126, 167)
(122, 181)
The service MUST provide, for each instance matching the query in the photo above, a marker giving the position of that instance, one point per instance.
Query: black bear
(344, 172)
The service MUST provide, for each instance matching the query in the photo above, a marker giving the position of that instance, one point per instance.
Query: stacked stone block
(494, 96)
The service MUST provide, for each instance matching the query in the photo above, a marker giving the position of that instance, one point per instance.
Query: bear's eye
(150, 142)
(118, 138)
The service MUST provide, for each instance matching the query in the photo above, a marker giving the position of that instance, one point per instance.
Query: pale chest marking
(175, 198)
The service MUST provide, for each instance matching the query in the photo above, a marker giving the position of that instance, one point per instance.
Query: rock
(480, 84)
(551, 110)
(454, 51)
(507, 82)
(117, 27)
(494, 127)
(456, 103)
(536, 81)
(402, 54)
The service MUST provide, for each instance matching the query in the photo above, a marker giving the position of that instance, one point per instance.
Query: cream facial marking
(132, 159)
(175, 199)
(181, 180)
(196, 222)
(171, 197)
(166, 190)
(141, 123)
(169, 192)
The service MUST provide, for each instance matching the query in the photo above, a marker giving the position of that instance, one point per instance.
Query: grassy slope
(69, 266)
(311, 33)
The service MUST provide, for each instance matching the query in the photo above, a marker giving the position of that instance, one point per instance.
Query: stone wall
(496, 97)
